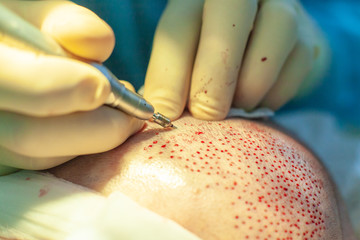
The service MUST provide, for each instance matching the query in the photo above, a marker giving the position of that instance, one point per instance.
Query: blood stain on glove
(43, 191)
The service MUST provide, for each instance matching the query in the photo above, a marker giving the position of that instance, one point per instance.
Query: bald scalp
(234, 179)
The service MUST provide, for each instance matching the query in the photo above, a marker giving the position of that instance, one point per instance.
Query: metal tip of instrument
(162, 121)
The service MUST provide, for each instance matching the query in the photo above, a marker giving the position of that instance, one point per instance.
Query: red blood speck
(199, 133)
(27, 179)
(163, 146)
(43, 191)
(264, 59)
(205, 91)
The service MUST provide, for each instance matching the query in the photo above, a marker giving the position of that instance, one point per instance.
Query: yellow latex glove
(246, 53)
(50, 107)
(40, 206)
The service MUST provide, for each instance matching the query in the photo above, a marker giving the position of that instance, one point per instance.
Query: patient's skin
(234, 179)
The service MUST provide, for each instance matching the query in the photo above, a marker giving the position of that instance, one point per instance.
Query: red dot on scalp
(263, 59)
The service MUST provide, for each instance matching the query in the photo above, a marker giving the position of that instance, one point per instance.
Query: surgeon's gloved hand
(247, 53)
(50, 107)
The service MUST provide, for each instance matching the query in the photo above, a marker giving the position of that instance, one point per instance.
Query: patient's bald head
(234, 179)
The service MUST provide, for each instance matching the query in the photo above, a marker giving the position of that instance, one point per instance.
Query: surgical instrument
(120, 97)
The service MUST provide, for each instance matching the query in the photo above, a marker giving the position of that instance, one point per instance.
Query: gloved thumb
(75, 28)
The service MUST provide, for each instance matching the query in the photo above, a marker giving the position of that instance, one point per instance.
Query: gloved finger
(168, 74)
(321, 53)
(225, 30)
(11, 159)
(69, 135)
(47, 85)
(77, 29)
(295, 69)
(272, 40)
(128, 85)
